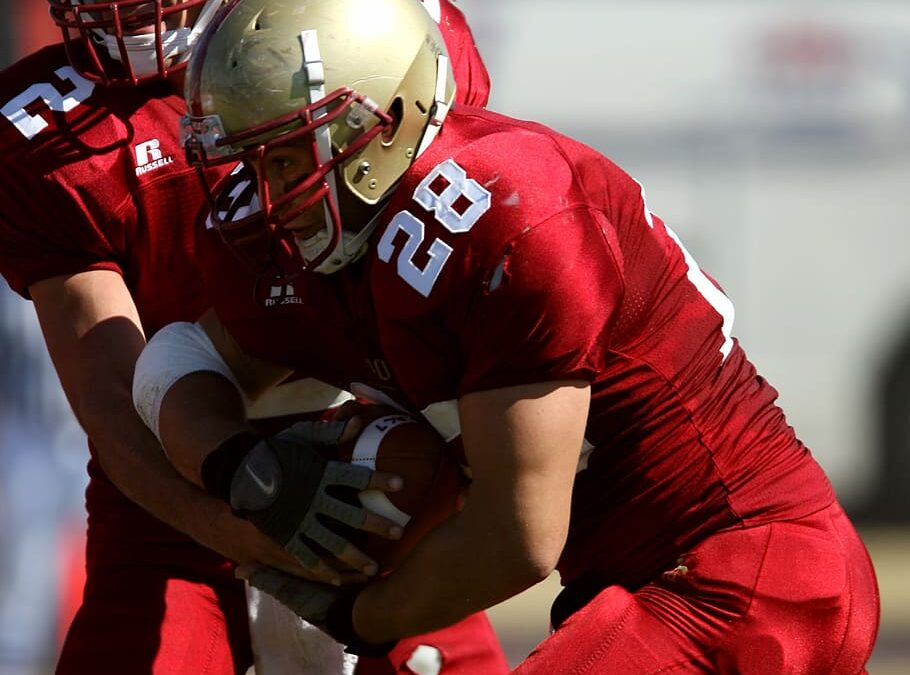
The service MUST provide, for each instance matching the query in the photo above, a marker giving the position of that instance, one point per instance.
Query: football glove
(281, 484)
(329, 608)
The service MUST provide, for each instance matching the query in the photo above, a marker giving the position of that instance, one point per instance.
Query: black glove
(329, 608)
(279, 484)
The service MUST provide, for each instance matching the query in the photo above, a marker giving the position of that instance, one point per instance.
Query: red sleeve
(471, 77)
(547, 315)
(60, 185)
(44, 232)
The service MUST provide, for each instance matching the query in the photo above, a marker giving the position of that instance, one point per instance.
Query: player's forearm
(468, 564)
(199, 412)
(93, 335)
(131, 456)
(134, 462)
(523, 446)
(192, 385)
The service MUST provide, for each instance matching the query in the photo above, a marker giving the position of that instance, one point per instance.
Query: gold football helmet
(364, 83)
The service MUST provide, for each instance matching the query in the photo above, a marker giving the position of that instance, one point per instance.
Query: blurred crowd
(42, 452)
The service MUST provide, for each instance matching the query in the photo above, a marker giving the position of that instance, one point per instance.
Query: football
(395, 442)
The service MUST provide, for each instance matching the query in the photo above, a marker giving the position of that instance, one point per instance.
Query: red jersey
(510, 254)
(109, 165)
(96, 178)
(472, 81)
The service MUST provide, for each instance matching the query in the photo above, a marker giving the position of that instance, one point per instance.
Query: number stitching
(31, 125)
(422, 280)
(442, 204)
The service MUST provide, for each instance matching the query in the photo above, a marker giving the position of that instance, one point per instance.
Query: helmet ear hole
(396, 112)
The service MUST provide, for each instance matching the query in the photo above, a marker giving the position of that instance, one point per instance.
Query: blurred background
(772, 135)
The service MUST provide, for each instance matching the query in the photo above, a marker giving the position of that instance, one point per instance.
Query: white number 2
(459, 189)
(31, 125)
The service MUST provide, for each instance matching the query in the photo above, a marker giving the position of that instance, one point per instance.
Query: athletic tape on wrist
(175, 351)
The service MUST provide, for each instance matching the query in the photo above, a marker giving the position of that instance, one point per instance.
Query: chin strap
(351, 246)
(441, 106)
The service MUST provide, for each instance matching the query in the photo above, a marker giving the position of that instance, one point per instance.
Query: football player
(96, 204)
(511, 285)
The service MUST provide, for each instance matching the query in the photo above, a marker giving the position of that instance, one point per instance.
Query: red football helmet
(131, 41)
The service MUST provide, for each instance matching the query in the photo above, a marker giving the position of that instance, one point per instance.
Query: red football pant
(149, 621)
(789, 597)
(157, 620)
(157, 606)
(470, 647)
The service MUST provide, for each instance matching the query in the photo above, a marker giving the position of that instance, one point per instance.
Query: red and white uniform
(471, 77)
(510, 255)
(95, 179)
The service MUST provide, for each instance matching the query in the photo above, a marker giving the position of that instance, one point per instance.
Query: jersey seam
(680, 400)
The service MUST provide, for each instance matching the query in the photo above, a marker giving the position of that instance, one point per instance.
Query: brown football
(395, 442)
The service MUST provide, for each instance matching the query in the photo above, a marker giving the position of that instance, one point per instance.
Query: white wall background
(773, 136)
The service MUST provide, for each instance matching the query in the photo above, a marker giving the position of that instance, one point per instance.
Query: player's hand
(237, 539)
(245, 544)
(282, 484)
(328, 608)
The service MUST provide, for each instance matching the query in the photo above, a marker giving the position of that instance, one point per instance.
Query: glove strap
(219, 466)
(340, 625)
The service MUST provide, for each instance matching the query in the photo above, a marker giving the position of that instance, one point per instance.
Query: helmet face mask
(326, 251)
(131, 41)
(358, 82)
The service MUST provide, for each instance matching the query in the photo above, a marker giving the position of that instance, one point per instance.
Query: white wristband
(174, 352)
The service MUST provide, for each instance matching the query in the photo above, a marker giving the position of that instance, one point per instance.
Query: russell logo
(149, 157)
(282, 295)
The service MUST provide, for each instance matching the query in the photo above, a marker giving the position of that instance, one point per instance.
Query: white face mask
(142, 49)
(175, 44)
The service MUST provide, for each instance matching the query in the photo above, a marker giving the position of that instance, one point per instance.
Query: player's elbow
(98, 396)
(531, 570)
(543, 560)
(535, 555)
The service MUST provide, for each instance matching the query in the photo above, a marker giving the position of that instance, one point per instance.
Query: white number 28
(458, 189)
